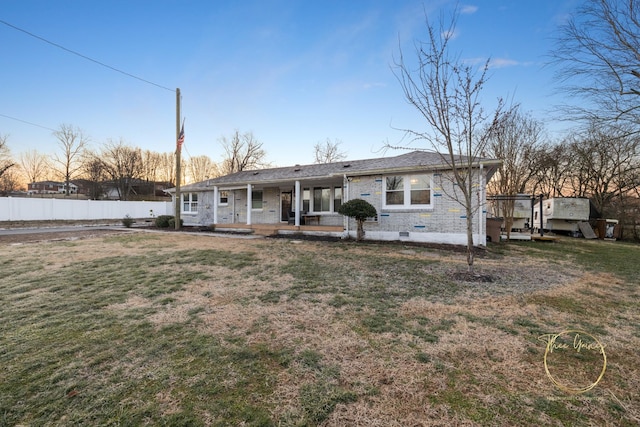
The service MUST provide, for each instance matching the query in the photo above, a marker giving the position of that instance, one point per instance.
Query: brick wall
(444, 222)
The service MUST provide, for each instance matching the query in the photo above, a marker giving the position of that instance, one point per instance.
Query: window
(256, 199)
(337, 198)
(190, 202)
(407, 191)
(223, 197)
(420, 190)
(322, 199)
(306, 200)
(395, 190)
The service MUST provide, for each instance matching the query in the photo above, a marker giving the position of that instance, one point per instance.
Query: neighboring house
(410, 193)
(134, 188)
(50, 187)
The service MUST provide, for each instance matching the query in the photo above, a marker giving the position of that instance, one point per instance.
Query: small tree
(446, 92)
(360, 210)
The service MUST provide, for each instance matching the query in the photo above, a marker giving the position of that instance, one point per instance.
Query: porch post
(249, 204)
(215, 203)
(297, 204)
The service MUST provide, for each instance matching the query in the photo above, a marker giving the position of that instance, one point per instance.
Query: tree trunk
(360, 230)
(470, 249)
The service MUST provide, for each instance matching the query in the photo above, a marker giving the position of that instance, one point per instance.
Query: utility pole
(178, 161)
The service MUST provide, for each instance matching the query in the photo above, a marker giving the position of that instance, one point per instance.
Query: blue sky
(293, 73)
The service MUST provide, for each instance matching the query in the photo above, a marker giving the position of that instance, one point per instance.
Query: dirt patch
(43, 236)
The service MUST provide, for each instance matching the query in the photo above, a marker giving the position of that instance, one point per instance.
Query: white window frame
(192, 205)
(332, 198)
(406, 179)
(253, 194)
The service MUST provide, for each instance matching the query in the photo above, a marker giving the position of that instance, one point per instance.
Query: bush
(162, 221)
(360, 210)
(127, 221)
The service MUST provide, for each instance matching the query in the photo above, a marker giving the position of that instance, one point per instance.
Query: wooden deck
(273, 229)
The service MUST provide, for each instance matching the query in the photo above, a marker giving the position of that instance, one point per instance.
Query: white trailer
(561, 213)
(521, 210)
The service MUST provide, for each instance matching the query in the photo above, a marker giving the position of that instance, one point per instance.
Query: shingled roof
(415, 160)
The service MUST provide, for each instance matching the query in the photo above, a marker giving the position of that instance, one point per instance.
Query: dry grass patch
(150, 328)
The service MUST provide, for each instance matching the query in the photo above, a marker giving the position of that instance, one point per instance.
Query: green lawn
(173, 329)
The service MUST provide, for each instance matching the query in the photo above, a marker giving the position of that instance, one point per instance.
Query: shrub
(127, 221)
(162, 221)
(360, 210)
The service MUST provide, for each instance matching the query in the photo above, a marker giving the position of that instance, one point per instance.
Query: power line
(85, 57)
(29, 123)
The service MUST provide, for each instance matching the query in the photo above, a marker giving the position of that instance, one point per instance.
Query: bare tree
(6, 162)
(598, 53)
(328, 152)
(72, 142)
(514, 142)
(166, 171)
(606, 167)
(94, 171)
(446, 92)
(202, 167)
(9, 182)
(123, 165)
(552, 163)
(34, 165)
(151, 161)
(242, 152)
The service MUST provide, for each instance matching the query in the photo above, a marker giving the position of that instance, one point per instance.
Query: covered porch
(289, 205)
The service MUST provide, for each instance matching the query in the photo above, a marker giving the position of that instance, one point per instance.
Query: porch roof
(413, 161)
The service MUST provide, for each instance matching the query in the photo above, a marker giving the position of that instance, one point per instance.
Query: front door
(285, 205)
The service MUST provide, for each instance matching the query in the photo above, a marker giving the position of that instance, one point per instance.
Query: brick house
(411, 193)
(50, 187)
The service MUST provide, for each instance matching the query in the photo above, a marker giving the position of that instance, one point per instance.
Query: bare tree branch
(243, 152)
(6, 161)
(515, 143)
(123, 165)
(598, 59)
(34, 165)
(328, 152)
(72, 142)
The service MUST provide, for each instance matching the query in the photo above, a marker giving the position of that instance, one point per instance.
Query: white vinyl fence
(26, 209)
